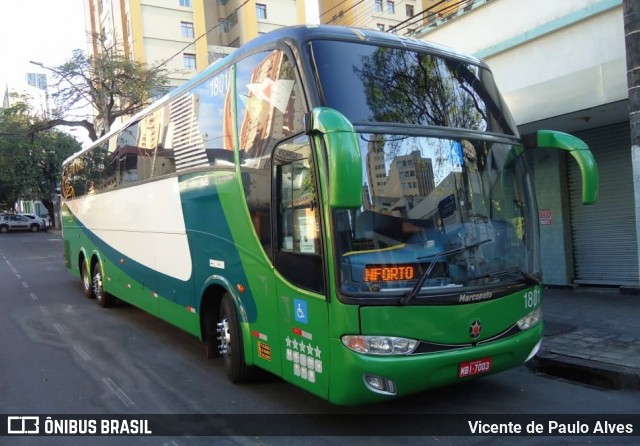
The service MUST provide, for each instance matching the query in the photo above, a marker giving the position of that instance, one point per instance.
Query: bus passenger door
(302, 305)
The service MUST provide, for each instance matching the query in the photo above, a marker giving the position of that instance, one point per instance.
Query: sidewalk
(591, 335)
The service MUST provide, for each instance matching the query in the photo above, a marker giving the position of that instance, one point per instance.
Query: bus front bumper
(366, 378)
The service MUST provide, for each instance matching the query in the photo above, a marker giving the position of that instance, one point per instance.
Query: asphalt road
(61, 353)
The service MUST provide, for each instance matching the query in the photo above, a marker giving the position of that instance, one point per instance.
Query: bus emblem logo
(475, 329)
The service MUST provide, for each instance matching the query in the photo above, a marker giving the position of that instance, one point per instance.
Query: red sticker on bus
(476, 367)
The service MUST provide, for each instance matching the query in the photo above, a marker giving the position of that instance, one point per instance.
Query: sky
(45, 31)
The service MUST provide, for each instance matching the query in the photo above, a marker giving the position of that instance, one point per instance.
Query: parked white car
(44, 223)
(10, 222)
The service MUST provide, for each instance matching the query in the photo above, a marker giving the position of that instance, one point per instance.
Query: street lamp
(37, 63)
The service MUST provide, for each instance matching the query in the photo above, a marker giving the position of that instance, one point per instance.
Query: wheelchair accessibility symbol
(300, 311)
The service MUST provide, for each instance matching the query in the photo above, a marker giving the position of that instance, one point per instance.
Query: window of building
(261, 11)
(187, 30)
(186, 3)
(380, 26)
(409, 9)
(378, 5)
(391, 7)
(189, 61)
(232, 20)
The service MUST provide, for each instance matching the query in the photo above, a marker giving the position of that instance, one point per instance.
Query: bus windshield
(370, 83)
(447, 203)
(439, 215)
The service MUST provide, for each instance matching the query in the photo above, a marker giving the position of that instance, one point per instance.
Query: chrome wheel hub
(224, 337)
(97, 285)
(85, 280)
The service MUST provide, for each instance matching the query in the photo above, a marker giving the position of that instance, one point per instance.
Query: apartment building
(405, 17)
(186, 35)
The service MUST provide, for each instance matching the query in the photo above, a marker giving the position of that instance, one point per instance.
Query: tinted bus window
(382, 84)
(270, 108)
(201, 125)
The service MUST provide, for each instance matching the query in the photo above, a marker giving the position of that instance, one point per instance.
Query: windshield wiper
(529, 277)
(418, 286)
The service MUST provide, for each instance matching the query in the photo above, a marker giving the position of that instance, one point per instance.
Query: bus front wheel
(230, 342)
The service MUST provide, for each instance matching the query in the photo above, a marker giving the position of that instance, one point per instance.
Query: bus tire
(87, 287)
(104, 299)
(230, 344)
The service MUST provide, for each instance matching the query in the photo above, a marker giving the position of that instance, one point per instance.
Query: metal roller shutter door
(605, 249)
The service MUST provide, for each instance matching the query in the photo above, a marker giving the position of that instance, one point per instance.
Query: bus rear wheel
(103, 298)
(87, 287)
(230, 345)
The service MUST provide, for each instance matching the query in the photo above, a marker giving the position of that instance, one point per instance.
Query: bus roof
(304, 33)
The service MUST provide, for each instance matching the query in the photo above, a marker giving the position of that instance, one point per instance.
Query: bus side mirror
(343, 156)
(578, 150)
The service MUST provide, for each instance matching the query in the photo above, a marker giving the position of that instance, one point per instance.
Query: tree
(30, 163)
(13, 153)
(409, 87)
(109, 82)
(414, 88)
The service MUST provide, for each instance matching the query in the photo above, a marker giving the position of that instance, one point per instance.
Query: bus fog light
(379, 384)
(530, 319)
(380, 345)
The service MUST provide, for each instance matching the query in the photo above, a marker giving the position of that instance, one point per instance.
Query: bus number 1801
(532, 298)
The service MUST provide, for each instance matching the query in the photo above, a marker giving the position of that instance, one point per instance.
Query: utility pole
(631, 13)
(632, 44)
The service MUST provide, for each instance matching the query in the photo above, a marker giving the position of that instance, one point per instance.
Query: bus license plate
(476, 367)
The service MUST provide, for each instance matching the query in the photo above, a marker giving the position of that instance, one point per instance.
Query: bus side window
(270, 108)
(298, 249)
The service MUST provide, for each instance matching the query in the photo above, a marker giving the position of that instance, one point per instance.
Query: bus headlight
(530, 319)
(380, 345)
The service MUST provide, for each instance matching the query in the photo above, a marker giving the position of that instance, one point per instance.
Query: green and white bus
(347, 209)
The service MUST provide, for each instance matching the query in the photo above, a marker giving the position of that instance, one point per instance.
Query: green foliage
(409, 87)
(108, 84)
(30, 163)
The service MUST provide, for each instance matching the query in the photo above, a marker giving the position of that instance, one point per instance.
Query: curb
(600, 374)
